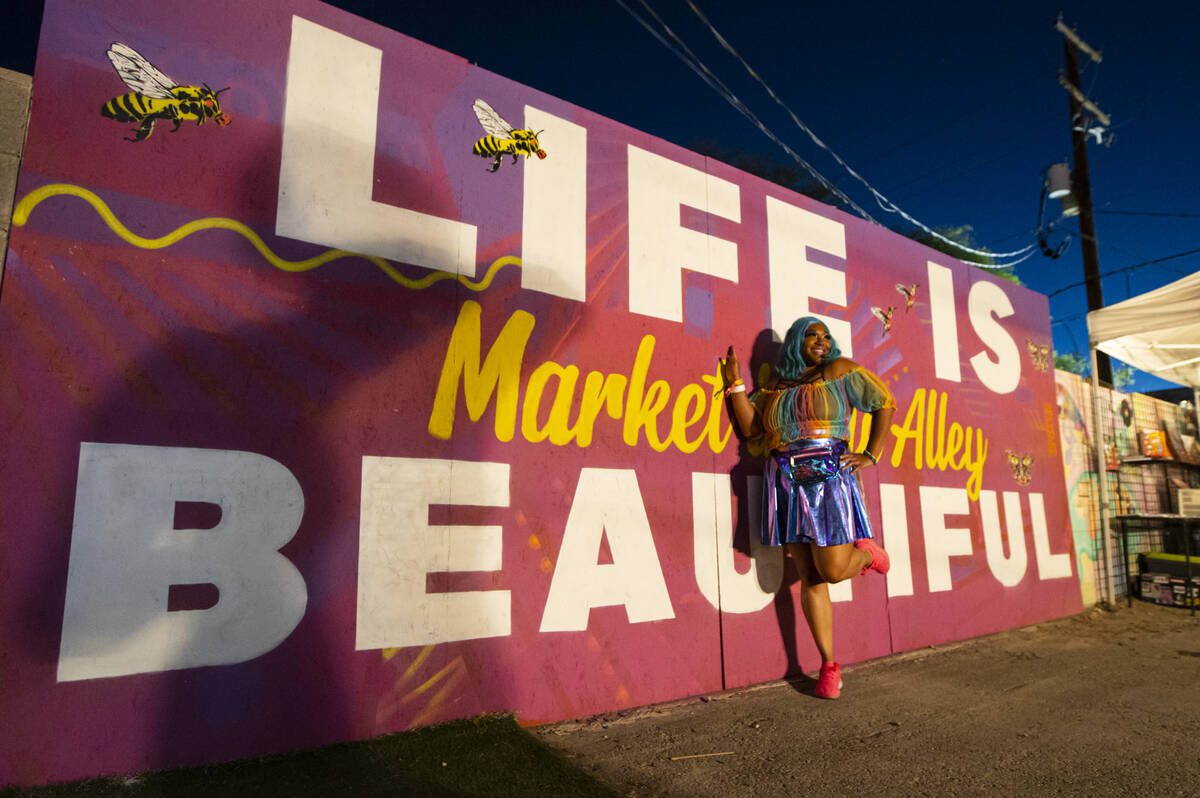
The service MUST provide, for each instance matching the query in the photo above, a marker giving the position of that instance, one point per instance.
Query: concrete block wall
(15, 89)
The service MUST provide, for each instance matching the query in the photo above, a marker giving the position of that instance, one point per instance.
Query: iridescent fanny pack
(812, 463)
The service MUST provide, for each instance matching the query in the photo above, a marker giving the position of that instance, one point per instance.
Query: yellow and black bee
(501, 139)
(155, 96)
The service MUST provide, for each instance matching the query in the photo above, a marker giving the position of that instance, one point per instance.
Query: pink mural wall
(263, 493)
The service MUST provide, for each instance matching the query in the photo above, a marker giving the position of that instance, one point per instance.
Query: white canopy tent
(1157, 332)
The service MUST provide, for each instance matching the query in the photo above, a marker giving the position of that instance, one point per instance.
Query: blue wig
(791, 362)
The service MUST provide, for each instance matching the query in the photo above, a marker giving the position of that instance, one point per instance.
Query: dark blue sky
(951, 110)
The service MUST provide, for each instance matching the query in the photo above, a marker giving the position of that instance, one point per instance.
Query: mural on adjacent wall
(1136, 484)
(1074, 421)
(321, 430)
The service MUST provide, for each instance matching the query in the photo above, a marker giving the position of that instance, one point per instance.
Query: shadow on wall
(763, 354)
(745, 478)
(214, 372)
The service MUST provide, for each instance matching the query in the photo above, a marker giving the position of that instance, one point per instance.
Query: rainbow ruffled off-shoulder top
(818, 409)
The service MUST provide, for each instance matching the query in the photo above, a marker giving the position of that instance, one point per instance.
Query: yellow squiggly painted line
(35, 197)
(416, 663)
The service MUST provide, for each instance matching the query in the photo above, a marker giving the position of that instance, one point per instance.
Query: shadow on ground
(485, 756)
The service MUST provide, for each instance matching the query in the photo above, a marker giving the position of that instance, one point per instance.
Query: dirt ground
(1102, 703)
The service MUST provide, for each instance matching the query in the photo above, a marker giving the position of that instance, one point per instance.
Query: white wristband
(738, 389)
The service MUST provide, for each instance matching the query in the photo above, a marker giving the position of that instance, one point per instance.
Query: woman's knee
(826, 575)
(806, 569)
(812, 576)
(834, 564)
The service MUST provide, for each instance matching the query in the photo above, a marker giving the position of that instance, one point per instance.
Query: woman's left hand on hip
(855, 461)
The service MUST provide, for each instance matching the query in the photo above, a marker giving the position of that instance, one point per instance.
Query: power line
(883, 202)
(1072, 317)
(1129, 254)
(707, 75)
(1018, 85)
(1070, 333)
(950, 175)
(1125, 252)
(1156, 189)
(948, 170)
(1127, 268)
(1153, 213)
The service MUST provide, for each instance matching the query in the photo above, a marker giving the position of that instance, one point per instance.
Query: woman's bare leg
(814, 600)
(836, 563)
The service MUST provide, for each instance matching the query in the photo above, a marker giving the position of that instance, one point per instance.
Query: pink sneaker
(829, 683)
(880, 561)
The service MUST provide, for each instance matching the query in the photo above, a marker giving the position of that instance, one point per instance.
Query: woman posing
(812, 503)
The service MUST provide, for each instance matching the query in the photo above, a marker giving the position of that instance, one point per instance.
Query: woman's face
(816, 344)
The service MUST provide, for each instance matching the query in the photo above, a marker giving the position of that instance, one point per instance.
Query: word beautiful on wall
(125, 555)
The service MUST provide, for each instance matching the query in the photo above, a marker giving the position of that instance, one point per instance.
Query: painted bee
(155, 96)
(501, 139)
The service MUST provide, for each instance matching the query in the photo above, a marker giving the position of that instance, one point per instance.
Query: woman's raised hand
(730, 369)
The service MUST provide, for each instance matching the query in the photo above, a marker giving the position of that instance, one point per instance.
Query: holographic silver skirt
(830, 513)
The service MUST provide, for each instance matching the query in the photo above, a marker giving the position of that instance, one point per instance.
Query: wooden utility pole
(1081, 183)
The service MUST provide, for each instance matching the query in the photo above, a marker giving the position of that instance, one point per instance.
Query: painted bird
(884, 316)
(910, 294)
